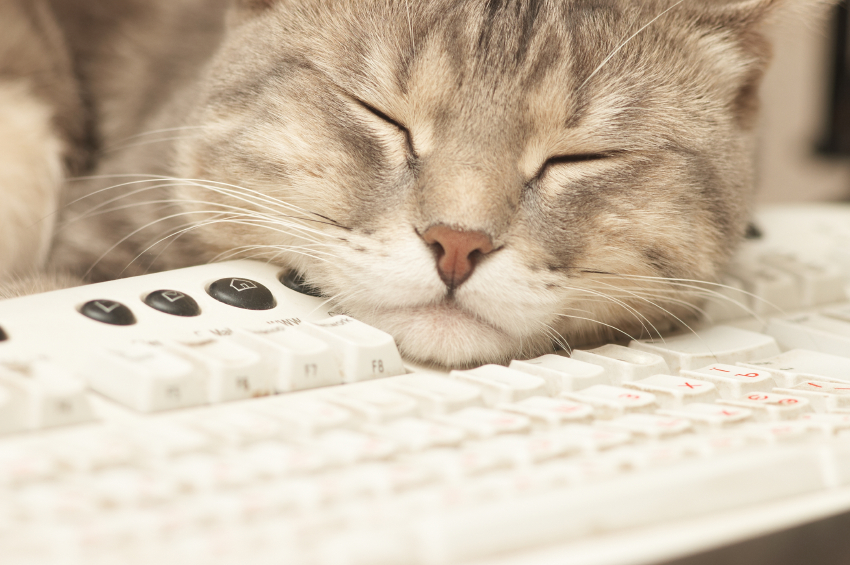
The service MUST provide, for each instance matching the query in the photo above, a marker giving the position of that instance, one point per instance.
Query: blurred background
(804, 153)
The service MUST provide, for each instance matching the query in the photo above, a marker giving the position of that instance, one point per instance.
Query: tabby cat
(483, 179)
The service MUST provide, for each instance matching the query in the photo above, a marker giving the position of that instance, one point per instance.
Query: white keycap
(375, 403)
(726, 302)
(26, 463)
(772, 406)
(622, 363)
(830, 424)
(233, 371)
(49, 394)
(550, 411)
(819, 283)
(714, 416)
(562, 373)
(621, 502)
(774, 292)
(302, 361)
(500, 384)
(791, 431)
(652, 426)
(824, 396)
(307, 416)
(363, 352)
(12, 418)
(237, 427)
(417, 435)
(612, 401)
(673, 391)
(797, 365)
(719, 344)
(347, 446)
(733, 381)
(437, 395)
(485, 422)
(812, 331)
(146, 378)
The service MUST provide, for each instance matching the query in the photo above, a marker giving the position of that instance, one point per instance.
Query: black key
(242, 293)
(173, 302)
(3, 335)
(108, 312)
(294, 281)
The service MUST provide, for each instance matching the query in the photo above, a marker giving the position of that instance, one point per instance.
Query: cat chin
(445, 335)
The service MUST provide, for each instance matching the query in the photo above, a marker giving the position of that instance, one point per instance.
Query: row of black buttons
(241, 293)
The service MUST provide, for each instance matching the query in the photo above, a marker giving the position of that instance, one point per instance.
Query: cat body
(481, 178)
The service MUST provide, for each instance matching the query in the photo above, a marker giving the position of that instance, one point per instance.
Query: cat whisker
(616, 329)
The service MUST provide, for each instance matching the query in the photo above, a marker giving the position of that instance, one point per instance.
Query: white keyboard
(212, 415)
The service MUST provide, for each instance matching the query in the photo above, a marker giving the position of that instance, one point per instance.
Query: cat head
(484, 178)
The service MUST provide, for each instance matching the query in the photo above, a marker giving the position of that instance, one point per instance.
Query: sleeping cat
(481, 178)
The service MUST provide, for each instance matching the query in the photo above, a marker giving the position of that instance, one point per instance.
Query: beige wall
(794, 95)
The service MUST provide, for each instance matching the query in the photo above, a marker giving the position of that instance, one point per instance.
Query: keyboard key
(733, 381)
(792, 431)
(714, 416)
(308, 416)
(11, 415)
(797, 365)
(719, 344)
(673, 391)
(773, 291)
(824, 396)
(363, 352)
(375, 403)
(49, 394)
(772, 406)
(830, 424)
(300, 361)
(651, 426)
(437, 395)
(347, 447)
(146, 378)
(812, 331)
(500, 384)
(612, 402)
(173, 302)
(242, 293)
(237, 427)
(562, 373)
(550, 411)
(418, 435)
(819, 283)
(485, 422)
(234, 372)
(622, 363)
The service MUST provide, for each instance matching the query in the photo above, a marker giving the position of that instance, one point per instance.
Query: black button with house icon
(242, 293)
(108, 312)
(173, 302)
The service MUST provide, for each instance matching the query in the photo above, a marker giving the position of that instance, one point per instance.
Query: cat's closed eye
(404, 130)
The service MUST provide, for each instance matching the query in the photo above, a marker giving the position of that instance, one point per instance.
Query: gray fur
(328, 135)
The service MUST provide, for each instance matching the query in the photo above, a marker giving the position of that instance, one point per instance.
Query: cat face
(482, 178)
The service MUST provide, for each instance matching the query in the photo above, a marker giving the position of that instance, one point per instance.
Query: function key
(242, 293)
(173, 302)
(108, 312)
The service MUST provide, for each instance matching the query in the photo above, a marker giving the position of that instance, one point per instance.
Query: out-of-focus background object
(805, 140)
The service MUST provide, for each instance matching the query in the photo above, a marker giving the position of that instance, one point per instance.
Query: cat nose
(457, 252)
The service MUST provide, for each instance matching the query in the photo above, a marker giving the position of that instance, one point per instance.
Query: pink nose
(457, 252)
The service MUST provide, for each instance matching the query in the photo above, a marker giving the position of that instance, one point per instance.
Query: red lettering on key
(728, 413)
(789, 401)
(756, 397)
(689, 385)
(813, 384)
(750, 375)
(630, 396)
(721, 370)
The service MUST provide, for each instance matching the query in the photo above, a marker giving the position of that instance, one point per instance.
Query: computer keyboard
(213, 415)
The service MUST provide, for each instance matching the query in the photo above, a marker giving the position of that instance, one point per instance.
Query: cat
(483, 179)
